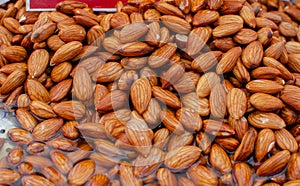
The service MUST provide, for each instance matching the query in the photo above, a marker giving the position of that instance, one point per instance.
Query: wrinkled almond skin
(274, 164)
(70, 110)
(81, 172)
(236, 103)
(201, 175)
(264, 144)
(187, 156)
(242, 174)
(219, 159)
(47, 129)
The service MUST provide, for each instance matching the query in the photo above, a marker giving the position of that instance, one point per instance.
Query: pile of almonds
(175, 92)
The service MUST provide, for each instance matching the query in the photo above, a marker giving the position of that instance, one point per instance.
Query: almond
(242, 174)
(274, 164)
(140, 94)
(266, 120)
(81, 172)
(252, 55)
(182, 157)
(264, 144)
(37, 63)
(247, 146)
(286, 141)
(217, 101)
(219, 159)
(36, 180)
(41, 109)
(201, 175)
(289, 95)
(66, 52)
(47, 129)
(13, 81)
(139, 135)
(36, 91)
(70, 110)
(236, 103)
(82, 84)
(265, 102)
(176, 24)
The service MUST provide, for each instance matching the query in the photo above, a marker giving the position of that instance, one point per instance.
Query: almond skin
(274, 164)
(201, 175)
(66, 52)
(289, 95)
(36, 91)
(70, 110)
(247, 146)
(140, 94)
(81, 172)
(266, 120)
(242, 174)
(82, 84)
(264, 143)
(9, 176)
(38, 62)
(186, 155)
(236, 103)
(13, 81)
(265, 102)
(47, 129)
(219, 159)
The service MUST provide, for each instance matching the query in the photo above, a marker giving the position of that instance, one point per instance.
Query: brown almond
(246, 147)
(140, 94)
(26, 120)
(264, 144)
(81, 172)
(60, 90)
(289, 95)
(161, 56)
(292, 171)
(14, 54)
(202, 175)
(35, 180)
(197, 40)
(264, 86)
(217, 128)
(82, 84)
(139, 135)
(112, 101)
(217, 101)
(13, 81)
(286, 141)
(176, 24)
(236, 103)
(274, 164)
(252, 55)
(36, 91)
(42, 109)
(47, 129)
(266, 120)
(227, 29)
(166, 177)
(170, 121)
(210, 58)
(219, 159)
(66, 52)
(182, 157)
(70, 110)
(37, 63)
(205, 17)
(242, 174)
(265, 102)
(271, 62)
